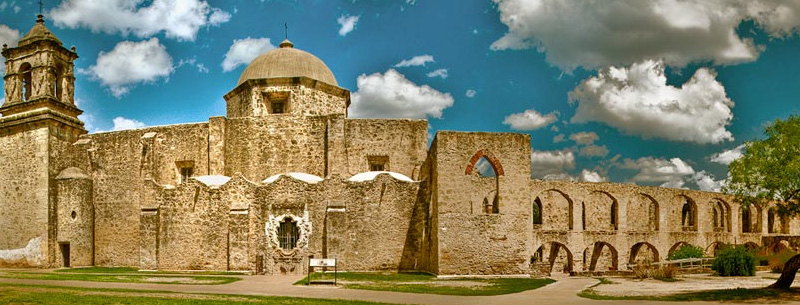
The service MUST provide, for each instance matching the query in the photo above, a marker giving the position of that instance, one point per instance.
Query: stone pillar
(75, 219)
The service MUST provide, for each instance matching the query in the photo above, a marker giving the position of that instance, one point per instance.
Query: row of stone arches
(601, 256)
(553, 210)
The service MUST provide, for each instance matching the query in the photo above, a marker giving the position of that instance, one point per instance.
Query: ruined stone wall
(74, 219)
(650, 223)
(119, 163)
(24, 202)
(497, 242)
(264, 146)
(403, 142)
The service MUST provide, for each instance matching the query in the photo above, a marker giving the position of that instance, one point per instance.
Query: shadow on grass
(722, 295)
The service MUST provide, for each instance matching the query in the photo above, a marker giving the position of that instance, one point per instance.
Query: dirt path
(562, 292)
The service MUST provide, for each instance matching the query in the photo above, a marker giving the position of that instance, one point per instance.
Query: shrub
(642, 270)
(687, 251)
(735, 261)
(777, 260)
(666, 273)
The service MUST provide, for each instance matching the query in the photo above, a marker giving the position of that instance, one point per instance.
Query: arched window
(771, 221)
(484, 166)
(496, 204)
(614, 215)
(57, 83)
(537, 211)
(688, 214)
(288, 233)
(25, 70)
(583, 216)
(746, 227)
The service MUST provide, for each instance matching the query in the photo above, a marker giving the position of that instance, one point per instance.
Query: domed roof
(287, 61)
(38, 32)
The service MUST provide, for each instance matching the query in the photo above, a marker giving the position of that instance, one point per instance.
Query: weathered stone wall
(404, 142)
(498, 242)
(264, 146)
(305, 97)
(24, 202)
(75, 219)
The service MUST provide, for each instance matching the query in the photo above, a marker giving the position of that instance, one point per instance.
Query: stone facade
(287, 176)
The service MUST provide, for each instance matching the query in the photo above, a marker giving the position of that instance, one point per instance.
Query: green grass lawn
(427, 283)
(125, 278)
(121, 270)
(734, 295)
(52, 295)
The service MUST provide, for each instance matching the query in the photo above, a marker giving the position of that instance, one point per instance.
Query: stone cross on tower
(41, 7)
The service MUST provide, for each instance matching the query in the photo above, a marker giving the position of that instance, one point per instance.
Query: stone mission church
(286, 176)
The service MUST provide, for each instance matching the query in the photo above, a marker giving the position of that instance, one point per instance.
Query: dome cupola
(286, 61)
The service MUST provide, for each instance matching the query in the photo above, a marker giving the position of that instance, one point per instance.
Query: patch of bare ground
(625, 286)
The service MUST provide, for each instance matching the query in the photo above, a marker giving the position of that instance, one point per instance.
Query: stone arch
(25, 70)
(750, 218)
(602, 212)
(556, 210)
(556, 254)
(604, 256)
(643, 214)
(771, 215)
(688, 213)
(675, 247)
(721, 215)
(751, 245)
(536, 211)
(714, 248)
(493, 161)
(650, 253)
(778, 246)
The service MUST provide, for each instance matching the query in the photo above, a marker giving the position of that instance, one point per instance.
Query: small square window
(276, 102)
(378, 163)
(278, 107)
(185, 170)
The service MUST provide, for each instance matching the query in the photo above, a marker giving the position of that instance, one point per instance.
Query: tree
(769, 171)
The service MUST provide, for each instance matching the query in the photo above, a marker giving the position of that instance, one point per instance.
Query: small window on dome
(378, 163)
(276, 102)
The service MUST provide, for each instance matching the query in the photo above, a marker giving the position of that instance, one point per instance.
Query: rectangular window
(378, 163)
(276, 102)
(185, 170)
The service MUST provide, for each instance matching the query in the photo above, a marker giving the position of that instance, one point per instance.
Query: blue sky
(648, 92)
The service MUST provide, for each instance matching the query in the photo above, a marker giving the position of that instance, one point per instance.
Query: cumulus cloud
(192, 62)
(391, 95)
(591, 176)
(470, 93)
(670, 173)
(530, 120)
(558, 138)
(121, 123)
(419, 60)
(10, 37)
(594, 34)
(347, 23)
(593, 151)
(178, 19)
(707, 182)
(130, 63)
(552, 165)
(9, 5)
(584, 138)
(438, 73)
(243, 51)
(728, 156)
(638, 101)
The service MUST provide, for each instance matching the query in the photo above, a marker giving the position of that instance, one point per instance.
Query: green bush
(687, 251)
(735, 261)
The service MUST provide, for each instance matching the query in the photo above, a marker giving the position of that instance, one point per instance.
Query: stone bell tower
(39, 123)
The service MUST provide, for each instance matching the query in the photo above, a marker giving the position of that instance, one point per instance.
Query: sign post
(322, 262)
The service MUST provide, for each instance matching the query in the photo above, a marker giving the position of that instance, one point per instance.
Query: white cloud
(130, 63)
(530, 120)
(10, 37)
(121, 123)
(391, 95)
(420, 60)
(591, 176)
(594, 34)
(706, 182)
(243, 51)
(178, 19)
(670, 173)
(592, 150)
(728, 156)
(584, 138)
(638, 101)
(438, 73)
(192, 62)
(551, 164)
(558, 138)
(348, 24)
(470, 93)
(12, 5)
